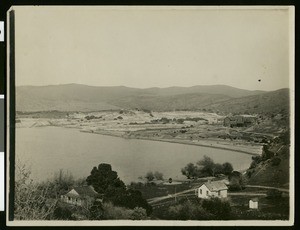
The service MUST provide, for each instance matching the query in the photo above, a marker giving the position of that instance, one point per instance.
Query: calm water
(48, 149)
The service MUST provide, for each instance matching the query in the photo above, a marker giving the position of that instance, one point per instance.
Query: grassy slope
(268, 103)
(267, 174)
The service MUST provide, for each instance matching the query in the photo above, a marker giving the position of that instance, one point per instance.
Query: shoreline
(209, 143)
(176, 141)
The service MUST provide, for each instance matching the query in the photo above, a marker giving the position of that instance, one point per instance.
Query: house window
(69, 198)
(200, 191)
(219, 193)
(207, 193)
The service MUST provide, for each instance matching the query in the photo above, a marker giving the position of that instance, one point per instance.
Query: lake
(47, 149)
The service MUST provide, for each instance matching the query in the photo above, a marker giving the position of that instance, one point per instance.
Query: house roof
(254, 199)
(216, 186)
(84, 191)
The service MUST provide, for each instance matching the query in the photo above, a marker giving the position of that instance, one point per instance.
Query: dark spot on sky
(259, 80)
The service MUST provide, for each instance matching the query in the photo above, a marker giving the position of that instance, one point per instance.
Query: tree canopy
(236, 181)
(150, 176)
(104, 178)
(206, 167)
(106, 181)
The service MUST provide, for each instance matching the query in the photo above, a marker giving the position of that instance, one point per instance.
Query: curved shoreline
(176, 141)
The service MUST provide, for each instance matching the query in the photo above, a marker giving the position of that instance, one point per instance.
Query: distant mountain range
(75, 97)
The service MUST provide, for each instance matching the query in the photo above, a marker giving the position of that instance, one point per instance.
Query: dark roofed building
(81, 196)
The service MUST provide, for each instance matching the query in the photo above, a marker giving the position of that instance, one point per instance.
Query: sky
(153, 47)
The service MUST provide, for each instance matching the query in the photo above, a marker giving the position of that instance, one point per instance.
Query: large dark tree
(207, 166)
(236, 181)
(227, 168)
(130, 199)
(104, 179)
(190, 171)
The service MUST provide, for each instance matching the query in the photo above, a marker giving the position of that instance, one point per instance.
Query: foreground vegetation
(40, 201)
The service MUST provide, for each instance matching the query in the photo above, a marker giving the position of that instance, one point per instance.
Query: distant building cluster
(239, 121)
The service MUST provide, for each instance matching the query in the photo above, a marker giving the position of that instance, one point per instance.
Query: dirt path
(157, 199)
(161, 198)
(246, 194)
(267, 187)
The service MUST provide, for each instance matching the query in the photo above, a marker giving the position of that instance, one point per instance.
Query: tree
(103, 178)
(217, 169)
(190, 171)
(227, 168)
(158, 175)
(31, 199)
(149, 176)
(236, 181)
(266, 153)
(207, 166)
(106, 181)
(130, 199)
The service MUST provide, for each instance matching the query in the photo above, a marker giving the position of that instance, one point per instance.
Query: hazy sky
(152, 47)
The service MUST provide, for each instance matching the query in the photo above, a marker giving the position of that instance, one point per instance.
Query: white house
(253, 203)
(80, 196)
(212, 189)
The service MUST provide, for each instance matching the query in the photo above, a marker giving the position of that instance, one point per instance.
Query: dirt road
(268, 187)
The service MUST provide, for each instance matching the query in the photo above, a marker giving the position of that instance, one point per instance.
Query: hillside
(266, 103)
(221, 98)
(272, 167)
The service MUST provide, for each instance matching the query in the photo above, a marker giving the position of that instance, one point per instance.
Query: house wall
(72, 200)
(223, 193)
(203, 192)
(206, 193)
(214, 194)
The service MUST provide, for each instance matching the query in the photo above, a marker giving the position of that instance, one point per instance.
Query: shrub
(96, 211)
(138, 214)
(274, 194)
(31, 199)
(266, 153)
(111, 212)
(62, 213)
(188, 211)
(275, 161)
(219, 208)
(236, 181)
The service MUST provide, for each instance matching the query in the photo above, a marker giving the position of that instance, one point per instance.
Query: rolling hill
(75, 97)
(266, 103)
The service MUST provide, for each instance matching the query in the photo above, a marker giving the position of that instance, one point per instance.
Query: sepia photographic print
(157, 115)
